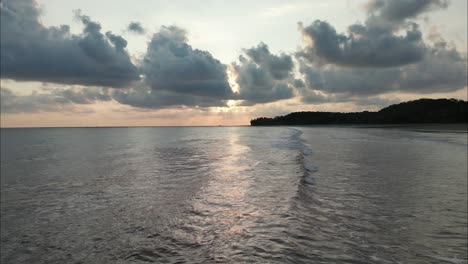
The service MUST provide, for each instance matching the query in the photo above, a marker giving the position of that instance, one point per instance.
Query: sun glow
(232, 79)
(231, 103)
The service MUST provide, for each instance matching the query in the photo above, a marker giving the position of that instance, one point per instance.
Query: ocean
(233, 195)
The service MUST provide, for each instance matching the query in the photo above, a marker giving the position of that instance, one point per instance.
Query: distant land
(422, 111)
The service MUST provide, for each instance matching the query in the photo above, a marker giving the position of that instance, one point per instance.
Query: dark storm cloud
(136, 27)
(263, 77)
(159, 99)
(171, 64)
(55, 100)
(33, 52)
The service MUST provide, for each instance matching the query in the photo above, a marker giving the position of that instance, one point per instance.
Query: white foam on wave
(306, 152)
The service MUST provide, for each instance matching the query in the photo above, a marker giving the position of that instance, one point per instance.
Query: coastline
(429, 127)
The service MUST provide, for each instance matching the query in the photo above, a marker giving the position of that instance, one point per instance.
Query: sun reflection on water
(225, 199)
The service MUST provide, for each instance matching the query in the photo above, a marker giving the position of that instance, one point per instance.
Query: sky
(192, 63)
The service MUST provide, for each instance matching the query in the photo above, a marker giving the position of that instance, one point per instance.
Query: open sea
(233, 195)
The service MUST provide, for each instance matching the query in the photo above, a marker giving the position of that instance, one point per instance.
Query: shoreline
(429, 127)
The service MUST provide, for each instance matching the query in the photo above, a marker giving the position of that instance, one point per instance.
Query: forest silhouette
(412, 112)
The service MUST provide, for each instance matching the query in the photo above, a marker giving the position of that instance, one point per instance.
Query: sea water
(233, 194)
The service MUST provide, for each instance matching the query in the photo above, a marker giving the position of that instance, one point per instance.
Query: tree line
(411, 112)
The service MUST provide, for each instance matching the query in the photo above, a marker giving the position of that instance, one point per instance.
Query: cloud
(55, 100)
(175, 75)
(136, 27)
(82, 96)
(32, 52)
(386, 39)
(363, 46)
(401, 10)
(172, 65)
(442, 70)
(317, 97)
(263, 77)
(280, 67)
(351, 81)
(385, 54)
(178, 75)
(143, 97)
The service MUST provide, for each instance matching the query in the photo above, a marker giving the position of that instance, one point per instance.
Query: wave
(309, 169)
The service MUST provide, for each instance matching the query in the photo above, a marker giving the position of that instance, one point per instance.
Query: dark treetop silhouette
(412, 112)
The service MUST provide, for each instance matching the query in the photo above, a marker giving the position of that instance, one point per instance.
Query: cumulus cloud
(279, 66)
(363, 46)
(385, 54)
(171, 64)
(442, 70)
(263, 77)
(136, 27)
(32, 52)
(386, 39)
(55, 100)
(177, 75)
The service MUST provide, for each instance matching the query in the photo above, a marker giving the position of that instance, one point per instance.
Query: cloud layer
(55, 100)
(143, 97)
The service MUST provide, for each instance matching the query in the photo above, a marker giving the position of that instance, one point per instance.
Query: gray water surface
(233, 194)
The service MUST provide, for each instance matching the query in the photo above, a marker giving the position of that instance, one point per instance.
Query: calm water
(241, 194)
